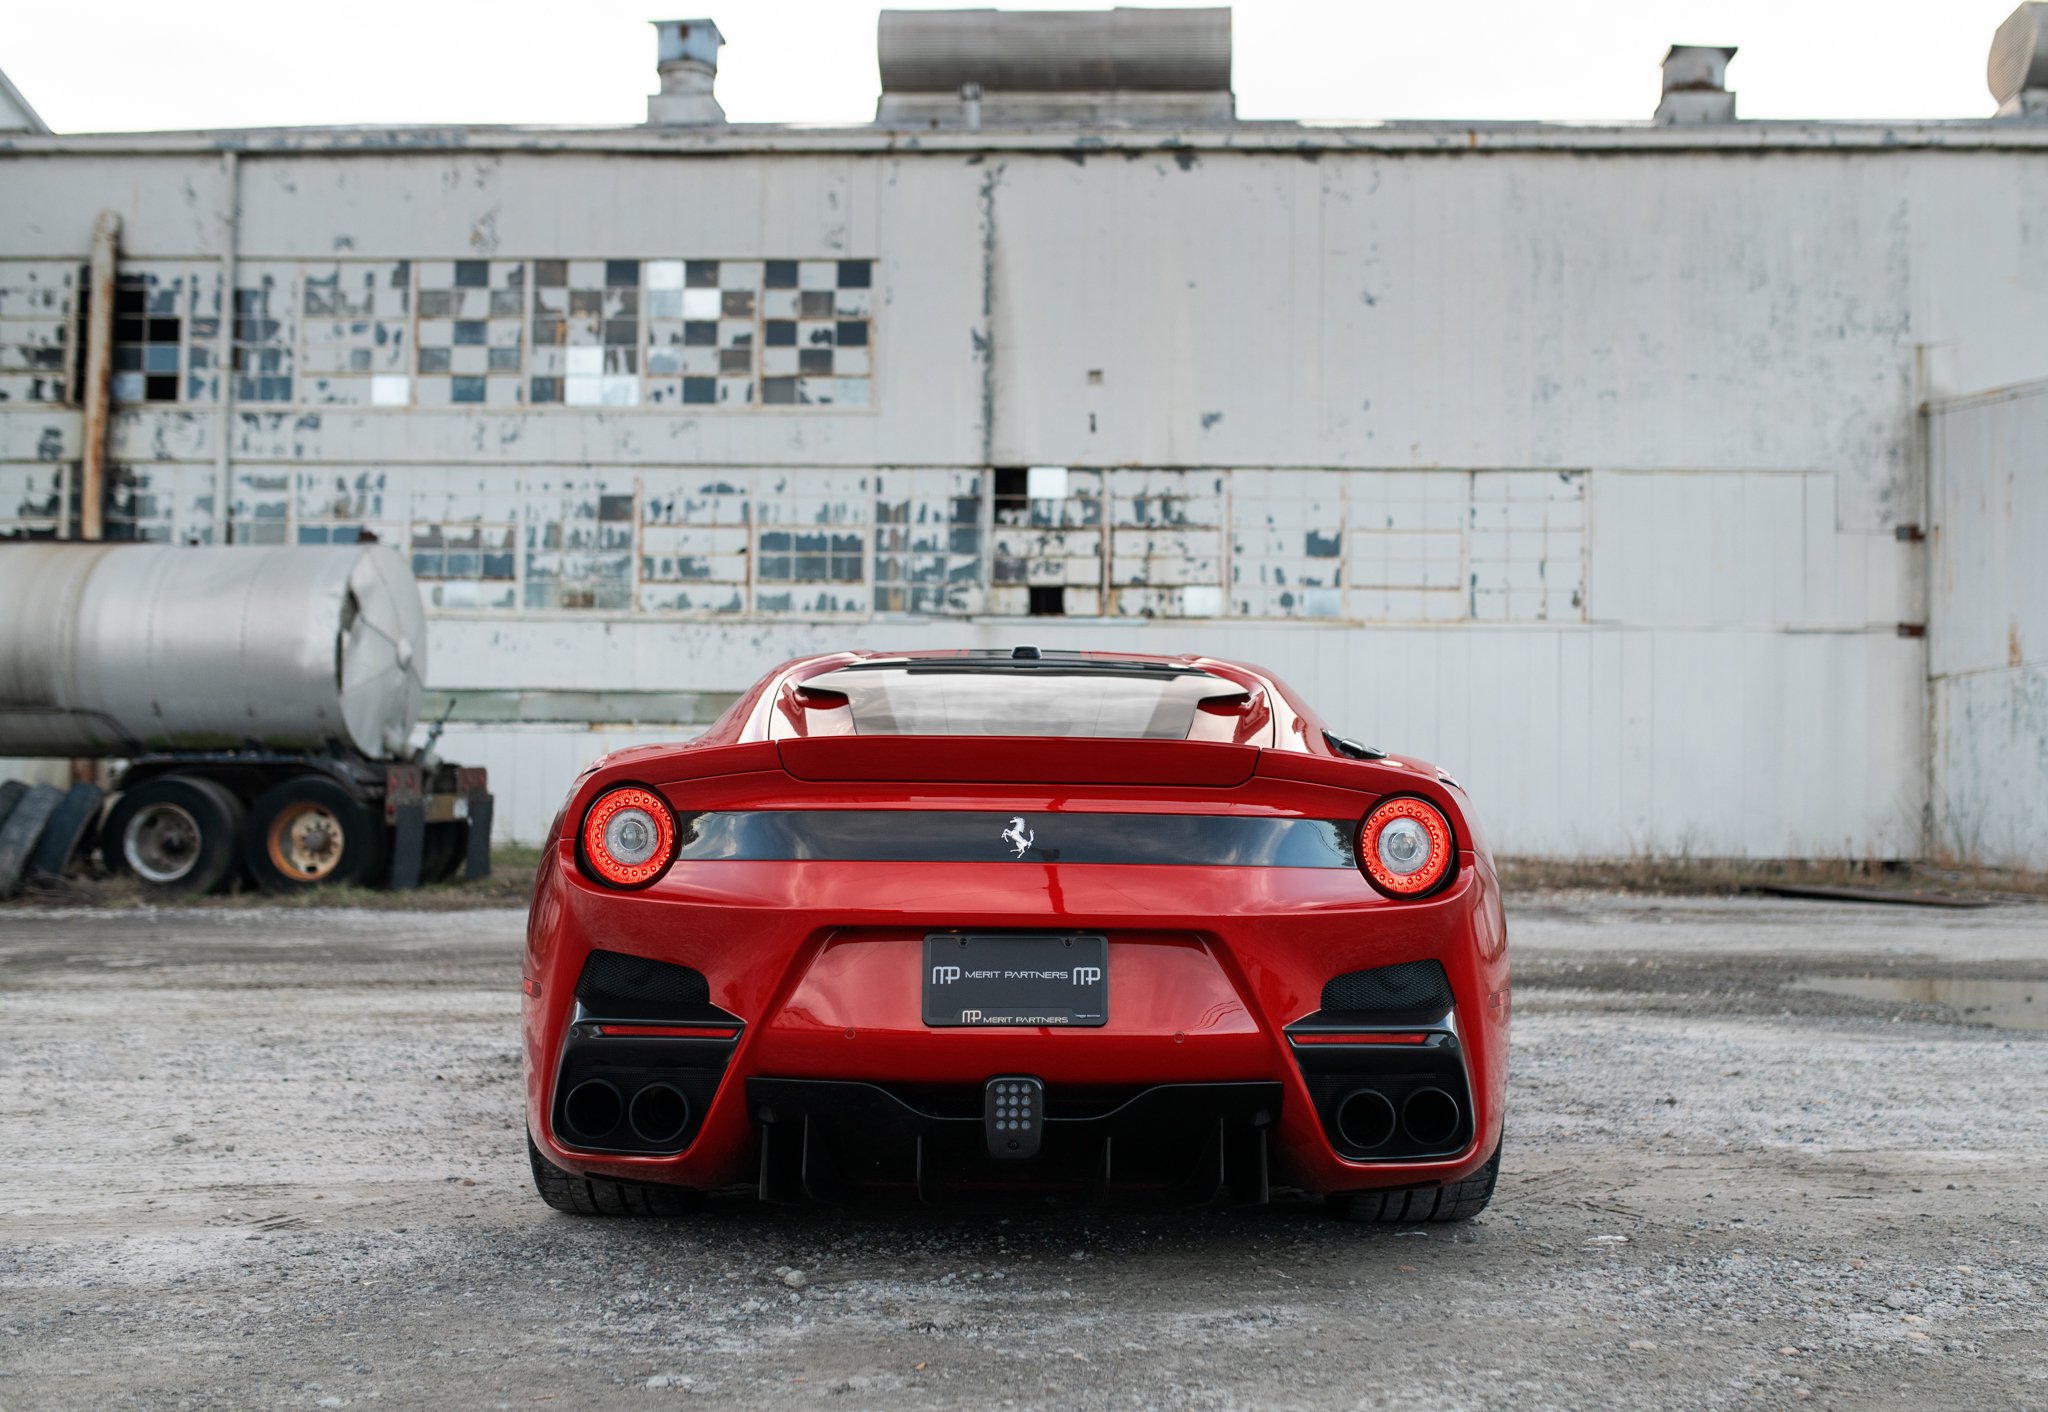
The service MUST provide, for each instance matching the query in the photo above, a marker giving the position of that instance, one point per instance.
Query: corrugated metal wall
(1579, 471)
(1988, 628)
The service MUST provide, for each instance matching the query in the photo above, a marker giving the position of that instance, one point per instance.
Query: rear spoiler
(1020, 760)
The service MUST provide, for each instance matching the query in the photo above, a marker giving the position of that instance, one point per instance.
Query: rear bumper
(821, 1139)
(818, 966)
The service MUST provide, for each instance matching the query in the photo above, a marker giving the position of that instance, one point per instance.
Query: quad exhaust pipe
(657, 1114)
(1367, 1118)
(593, 1108)
(1429, 1117)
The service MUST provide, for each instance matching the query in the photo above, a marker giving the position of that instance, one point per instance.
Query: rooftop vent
(954, 68)
(1696, 86)
(2018, 68)
(688, 65)
(15, 113)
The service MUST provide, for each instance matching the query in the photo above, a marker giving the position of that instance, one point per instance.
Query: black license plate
(982, 981)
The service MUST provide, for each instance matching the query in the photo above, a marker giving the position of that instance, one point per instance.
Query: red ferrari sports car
(945, 923)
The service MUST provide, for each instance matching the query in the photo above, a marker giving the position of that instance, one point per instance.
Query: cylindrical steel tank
(1065, 51)
(109, 649)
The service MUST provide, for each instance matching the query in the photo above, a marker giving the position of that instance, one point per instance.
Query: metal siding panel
(1638, 734)
(1607, 744)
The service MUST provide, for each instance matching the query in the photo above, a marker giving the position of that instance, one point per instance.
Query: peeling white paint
(1574, 459)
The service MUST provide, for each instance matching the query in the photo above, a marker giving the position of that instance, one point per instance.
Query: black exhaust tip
(659, 1113)
(593, 1108)
(1430, 1116)
(1365, 1118)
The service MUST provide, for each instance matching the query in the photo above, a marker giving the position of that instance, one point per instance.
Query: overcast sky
(120, 65)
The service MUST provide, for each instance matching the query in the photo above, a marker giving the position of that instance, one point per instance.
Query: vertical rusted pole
(99, 375)
(224, 349)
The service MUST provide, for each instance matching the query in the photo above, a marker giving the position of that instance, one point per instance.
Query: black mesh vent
(1412, 985)
(613, 983)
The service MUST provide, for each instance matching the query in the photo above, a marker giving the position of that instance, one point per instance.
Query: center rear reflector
(1020, 760)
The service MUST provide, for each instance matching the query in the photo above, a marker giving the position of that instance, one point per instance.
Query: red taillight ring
(599, 859)
(1435, 867)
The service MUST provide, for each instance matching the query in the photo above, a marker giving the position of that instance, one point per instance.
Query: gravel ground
(273, 1158)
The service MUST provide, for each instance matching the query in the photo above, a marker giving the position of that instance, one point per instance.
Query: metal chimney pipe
(1696, 86)
(688, 65)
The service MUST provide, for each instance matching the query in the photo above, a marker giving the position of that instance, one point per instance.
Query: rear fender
(1375, 779)
(661, 766)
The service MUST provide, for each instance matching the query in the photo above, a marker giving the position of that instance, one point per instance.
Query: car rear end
(942, 964)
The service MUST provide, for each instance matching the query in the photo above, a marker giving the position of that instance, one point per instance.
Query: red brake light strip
(667, 1031)
(1374, 1037)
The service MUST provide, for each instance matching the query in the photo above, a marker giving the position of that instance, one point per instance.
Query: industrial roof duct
(956, 67)
(1696, 86)
(687, 64)
(2018, 67)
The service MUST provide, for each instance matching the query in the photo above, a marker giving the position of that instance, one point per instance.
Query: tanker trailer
(263, 700)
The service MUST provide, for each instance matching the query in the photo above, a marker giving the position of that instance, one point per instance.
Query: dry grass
(1726, 877)
(509, 885)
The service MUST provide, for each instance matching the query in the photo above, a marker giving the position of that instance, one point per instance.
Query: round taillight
(1404, 846)
(629, 836)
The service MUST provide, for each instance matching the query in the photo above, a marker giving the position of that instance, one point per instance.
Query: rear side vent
(619, 986)
(1410, 986)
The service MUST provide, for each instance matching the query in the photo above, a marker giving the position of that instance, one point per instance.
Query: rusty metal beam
(99, 374)
(224, 349)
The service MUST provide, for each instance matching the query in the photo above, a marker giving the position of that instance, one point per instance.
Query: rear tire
(10, 795)
(1460, 1201)
(18, 835)
(308, 831)
(173, 834)
(70, 825)
(595, 1196)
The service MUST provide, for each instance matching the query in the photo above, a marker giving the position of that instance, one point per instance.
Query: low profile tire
(70, 825)
(19, 835)
(175, 833)
(310, 832)
(1460, 1201)
(594, 1196)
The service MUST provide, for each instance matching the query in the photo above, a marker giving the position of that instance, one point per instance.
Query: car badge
(1019, 837)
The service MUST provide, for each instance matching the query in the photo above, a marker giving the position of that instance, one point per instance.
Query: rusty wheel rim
(305, 842)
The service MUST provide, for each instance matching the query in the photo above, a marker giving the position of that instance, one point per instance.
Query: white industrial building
(1678, 485)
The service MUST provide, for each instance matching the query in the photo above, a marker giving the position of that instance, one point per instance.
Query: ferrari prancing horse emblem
(1019, 837)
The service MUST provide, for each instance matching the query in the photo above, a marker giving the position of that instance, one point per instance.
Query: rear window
(1048, 699)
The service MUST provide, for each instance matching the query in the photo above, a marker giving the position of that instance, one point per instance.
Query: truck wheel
(19, 834)
(175, 833)
(310, 832)
(1460, 1201)
(594, 1196)
(68, 827)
